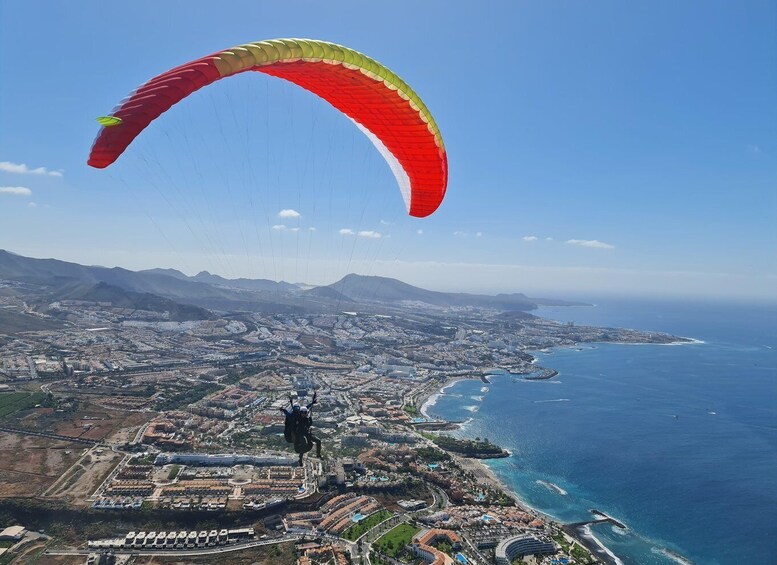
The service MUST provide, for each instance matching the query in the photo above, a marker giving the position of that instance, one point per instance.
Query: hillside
(120, 298)
(170, 290)
(382, 289)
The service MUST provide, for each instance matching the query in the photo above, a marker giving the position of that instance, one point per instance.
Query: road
(182, 552)
(48, 435)
(440, 499)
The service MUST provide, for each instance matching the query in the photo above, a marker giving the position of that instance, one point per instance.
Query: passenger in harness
(304, 425)
(290, 420)
(296, 428)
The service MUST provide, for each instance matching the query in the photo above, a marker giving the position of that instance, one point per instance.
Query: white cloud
(346, 231)
(311, 228)
(22, 169)
(279, 227)
(370, 234)
(420, 232)
(593, 243)
(548, 239)
(32, 205)
(289, 213)
(460, 234)
(479, 234)
(386, 223)
(15, 190)
(529, 238)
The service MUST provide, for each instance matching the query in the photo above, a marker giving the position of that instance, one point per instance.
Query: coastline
(581, 532)
(429, 399)
(487, 476)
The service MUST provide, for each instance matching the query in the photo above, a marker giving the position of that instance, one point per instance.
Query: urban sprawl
(130, 438)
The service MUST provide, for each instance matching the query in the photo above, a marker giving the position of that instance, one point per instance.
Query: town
(131, 438)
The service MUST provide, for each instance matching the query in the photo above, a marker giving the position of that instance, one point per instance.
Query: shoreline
(427, 400)
(580, 532)
(487, 475)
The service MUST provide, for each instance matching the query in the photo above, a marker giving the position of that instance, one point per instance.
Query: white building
(523, 544)
(13, 533)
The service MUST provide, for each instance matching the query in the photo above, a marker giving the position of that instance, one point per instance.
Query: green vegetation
(393, 542)
(174, 470)
(431, 455)
(356, 531)
(15, 401)
(562, 541)
(581, 554)
(578, 552)
(476, 447)
(412, 410)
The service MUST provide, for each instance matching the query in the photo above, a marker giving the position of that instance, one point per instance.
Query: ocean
(678, 442)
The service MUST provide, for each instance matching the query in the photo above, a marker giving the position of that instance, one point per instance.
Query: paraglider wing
(381, 104)
(109, 121)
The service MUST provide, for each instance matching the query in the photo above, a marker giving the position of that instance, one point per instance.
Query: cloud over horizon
(363, 233)
(16, 190)
(289, 213)
(529, 238)
(22, 169)
(592, 243)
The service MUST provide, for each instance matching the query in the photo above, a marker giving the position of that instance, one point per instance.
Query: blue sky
(594, 147)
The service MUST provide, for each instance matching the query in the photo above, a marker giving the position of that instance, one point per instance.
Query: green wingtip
(109, 121)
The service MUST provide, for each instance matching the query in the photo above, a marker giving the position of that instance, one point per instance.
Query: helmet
(296, 408)
(304, 409)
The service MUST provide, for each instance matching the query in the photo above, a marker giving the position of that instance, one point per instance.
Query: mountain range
(192, 297)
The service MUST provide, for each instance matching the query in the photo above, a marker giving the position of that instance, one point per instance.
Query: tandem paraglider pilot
(297, 428)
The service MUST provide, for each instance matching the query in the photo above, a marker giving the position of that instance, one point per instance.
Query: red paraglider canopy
(379, 102)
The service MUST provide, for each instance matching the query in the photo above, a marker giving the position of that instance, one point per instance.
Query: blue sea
(679, 442)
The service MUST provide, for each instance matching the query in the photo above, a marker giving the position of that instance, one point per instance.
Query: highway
(182, 552)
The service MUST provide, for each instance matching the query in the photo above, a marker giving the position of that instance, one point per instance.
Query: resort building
(423, 548)
(523, 544)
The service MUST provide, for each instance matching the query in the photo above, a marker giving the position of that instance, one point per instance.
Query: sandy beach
(429, 397)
